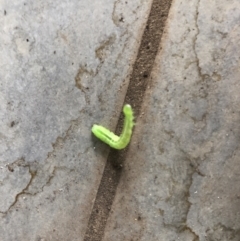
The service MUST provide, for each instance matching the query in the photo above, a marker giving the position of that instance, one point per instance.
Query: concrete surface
(181, 178)
(61, 67)
(66, 66)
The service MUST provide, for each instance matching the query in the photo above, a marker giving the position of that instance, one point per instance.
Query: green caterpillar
(114, 141)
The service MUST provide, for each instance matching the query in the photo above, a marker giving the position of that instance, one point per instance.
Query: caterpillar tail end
(95, 130)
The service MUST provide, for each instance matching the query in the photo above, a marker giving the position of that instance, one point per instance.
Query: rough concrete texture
(61, 67)
(181, 178)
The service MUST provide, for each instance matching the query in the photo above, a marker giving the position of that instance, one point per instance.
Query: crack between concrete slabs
(139, 80)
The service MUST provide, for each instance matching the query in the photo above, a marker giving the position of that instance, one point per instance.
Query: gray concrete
(61, 67)
(181, 178)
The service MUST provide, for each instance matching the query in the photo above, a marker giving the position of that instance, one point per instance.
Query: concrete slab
(62, 68)
(181, 177)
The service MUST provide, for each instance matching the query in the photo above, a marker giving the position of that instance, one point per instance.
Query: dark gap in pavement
(138, 83)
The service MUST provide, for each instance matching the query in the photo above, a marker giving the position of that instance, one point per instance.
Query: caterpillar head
(127, 110)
